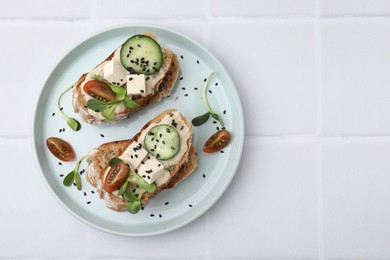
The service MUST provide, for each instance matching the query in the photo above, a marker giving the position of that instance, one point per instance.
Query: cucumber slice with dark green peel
(141, 55)
(162, 141)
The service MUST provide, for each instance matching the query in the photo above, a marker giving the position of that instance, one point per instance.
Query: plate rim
(240, 135)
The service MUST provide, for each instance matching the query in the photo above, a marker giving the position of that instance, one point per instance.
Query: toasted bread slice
(99, 158)
(162, 88)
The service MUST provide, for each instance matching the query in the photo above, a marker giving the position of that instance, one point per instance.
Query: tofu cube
(150, 169)
(134, 155)
(114, 72)
(136, 84)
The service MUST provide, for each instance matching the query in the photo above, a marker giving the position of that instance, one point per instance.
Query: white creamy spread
(150, 82)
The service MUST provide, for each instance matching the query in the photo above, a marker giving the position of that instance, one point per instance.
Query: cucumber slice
(142, 55)
(162, 141)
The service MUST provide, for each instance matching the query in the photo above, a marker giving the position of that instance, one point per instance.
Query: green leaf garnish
(130, 104)
(72, 123)
(135, 179)
(78, 180)
(129, 196)
(119, 91)
(96, 104)
(69, 178)
(200, 120)
(108, 114)
(123, 188)
(133, 207)
(74, 175)
(114, 161)
(96, 77)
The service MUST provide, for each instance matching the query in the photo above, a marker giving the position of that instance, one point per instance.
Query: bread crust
(99, 157)
(162, 88)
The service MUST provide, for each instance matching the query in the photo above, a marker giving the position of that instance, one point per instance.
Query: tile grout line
(319, 133)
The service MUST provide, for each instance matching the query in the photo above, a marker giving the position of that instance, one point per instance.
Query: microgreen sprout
(200, 120)
(107, 108)
(72, 123)
(74, 175)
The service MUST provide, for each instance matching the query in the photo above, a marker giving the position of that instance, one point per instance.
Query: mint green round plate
(173, 208)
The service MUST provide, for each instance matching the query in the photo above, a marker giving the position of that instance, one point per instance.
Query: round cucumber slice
(162, 141)
(141, 54)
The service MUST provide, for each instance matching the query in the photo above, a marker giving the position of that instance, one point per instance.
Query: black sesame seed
(190, 205)
(210, 91)
(74, 184)
(134, 190)
(102, 135)
(157, 156)
(139, 45)
(205, 79)
(218, 128)
(186, 95)
(181, 128)
(131, 156)
(160, 215)
(136, 156)
(216, 84)
(196, 88)
(159, 165)
(197, 61)
(131, 78)
(221, 151)
(148, 177)
(142, 208)
(60, 163)
(223, 128)
(204, 175)
(60, 131)
(61, 108)
(152, 215)
(61, 175)
(93, 192)
(181, 78)
(224, 112)
(214, 122)
(136, 170)
(88, 202)
(131, 47)
(85, 194)
(166, 203)
(181, 56)
(53, 114)
(143, 176)
(183, 88)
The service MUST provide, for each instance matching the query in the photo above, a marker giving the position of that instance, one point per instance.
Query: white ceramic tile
(273, 66)
(270, 208)
(355, 74)
(355, 7)
(184, 243)
(33, 224)
(262, 7)
(356, 183)
(29, 54)
(196, 30)
(153, 9)
(45, 9)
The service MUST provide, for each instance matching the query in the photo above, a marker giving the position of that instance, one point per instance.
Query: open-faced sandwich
(128, 173)
(136, 74)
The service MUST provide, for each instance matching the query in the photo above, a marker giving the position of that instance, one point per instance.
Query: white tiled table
(314, 80)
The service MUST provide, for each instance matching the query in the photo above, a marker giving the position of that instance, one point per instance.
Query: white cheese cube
(150, 169)
(134, 155)
(135, 84)
(114, 72)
